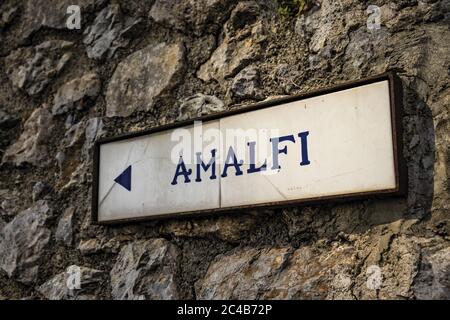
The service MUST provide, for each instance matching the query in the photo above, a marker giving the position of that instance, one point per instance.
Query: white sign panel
(338, 143)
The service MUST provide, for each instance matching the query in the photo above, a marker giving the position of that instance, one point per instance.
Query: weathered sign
(335, 143)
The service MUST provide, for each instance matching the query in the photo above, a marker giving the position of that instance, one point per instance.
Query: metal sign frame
(396, 101)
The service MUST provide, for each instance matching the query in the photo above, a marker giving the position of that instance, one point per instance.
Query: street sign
(340, 142)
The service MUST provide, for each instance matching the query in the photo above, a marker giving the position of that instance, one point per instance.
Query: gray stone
(240, 46)
(146, 270)
(8, 203)
(52, 14)
(226, 228)
(246, 84)
(326, 26)
(363, 46)
(245, 14)
(64, 231)
(74, 93)
(433, 279)
(99, 244)
(40, 189)
(142, 77)
(68, 158)
(75, 135)
(397, 258)
(8, 13)
(199, 105)
(22, 242)
(279, 273)
(64, 285)
(76, 145)
(77, 177)
(106, 34)
(31, 147)
(6, 119)
(94, 130)
(195, 15)
(32, 68)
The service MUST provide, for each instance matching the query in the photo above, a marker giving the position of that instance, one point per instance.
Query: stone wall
(138, 64)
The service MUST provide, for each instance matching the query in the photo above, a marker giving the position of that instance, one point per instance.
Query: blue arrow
(124, 179)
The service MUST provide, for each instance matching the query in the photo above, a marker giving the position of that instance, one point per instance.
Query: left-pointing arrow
(124, 179)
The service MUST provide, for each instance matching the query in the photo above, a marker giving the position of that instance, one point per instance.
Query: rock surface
(32, 68)
(7, 15)
(146, 270)
(73, 284)
(201, 16)
(225, 228)
(279, 273)
(246, 84)
(106, 34)
(142, 77)
(40, 189)
(241, 45)
(94, 130)
(22, 242)
(31, 147)
(135, 65)
(199, 105)
(73, 94)
(51, 14)
(433, 279)
(64, 230)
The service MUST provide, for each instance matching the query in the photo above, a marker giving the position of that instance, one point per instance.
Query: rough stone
(73, 94)
(312, 274)
(75, 135)
(22, 242)
(241, 44)
(6, 119)
(94, 130)
(142, 77)
(64, 230)
(225, 228)
(40, 189)
(433, 279)
(63, 286)
(31, 147)
(77, 177)
(68, 158)
(280, 273)
(146, 270)
(370, 249)
(7, 15)
(9, 202)
(246, 84)
(32, 68)
(76, 145)
(51, 14)
(99, 244)
(195, 15)
(107, 33)
(199, 105)
(327, 26)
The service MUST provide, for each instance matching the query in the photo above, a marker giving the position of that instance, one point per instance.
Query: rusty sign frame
(396, 106)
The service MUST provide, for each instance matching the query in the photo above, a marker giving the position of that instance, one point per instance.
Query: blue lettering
(181, 171)
(252, 168)
(304, 141)
(276, 151)
(236, 164)
(201, 164)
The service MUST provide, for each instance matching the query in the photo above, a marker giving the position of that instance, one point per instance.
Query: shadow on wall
(328, 221)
